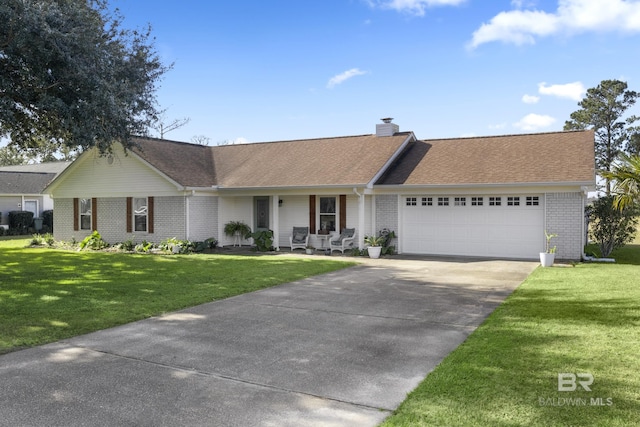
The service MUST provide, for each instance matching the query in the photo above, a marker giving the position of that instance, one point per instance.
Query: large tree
(603, 110)
(70, 74)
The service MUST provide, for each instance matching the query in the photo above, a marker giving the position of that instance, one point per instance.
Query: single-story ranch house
(482, 196)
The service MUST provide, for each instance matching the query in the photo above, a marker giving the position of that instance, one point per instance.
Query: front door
(261, 213)
(31, 206)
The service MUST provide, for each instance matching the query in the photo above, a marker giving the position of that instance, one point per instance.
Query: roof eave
(291, 187)
(489, 184)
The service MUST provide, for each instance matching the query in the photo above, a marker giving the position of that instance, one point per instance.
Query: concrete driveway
(341, 349)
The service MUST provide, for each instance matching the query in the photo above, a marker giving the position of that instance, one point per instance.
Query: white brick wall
(112, 212)
(63, 221)
(387, 214)
(564, 217)
(169, 219)
(203, 218)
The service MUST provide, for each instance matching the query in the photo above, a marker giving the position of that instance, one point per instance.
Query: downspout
(187, 215)
(360, 217)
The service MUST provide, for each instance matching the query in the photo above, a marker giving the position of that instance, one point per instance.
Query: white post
(275, 226)
(361, 231)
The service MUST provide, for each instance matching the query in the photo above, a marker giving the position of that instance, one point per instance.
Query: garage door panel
(494, 231)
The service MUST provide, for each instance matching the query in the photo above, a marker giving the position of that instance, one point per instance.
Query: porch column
(361, 231)
(275, 226)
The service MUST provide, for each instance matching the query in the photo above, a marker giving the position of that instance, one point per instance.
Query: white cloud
(530, 99)
(522, 4)
(572, 16)
(416, 7)
(574, 91)
(498, 126)
(342, 77)
(532, 122)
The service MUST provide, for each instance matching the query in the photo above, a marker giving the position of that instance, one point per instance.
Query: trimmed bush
(47, 220)
(20, 221)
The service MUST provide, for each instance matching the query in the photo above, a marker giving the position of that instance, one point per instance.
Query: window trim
(139, 215)
(89, 214)
(130, 220)
(340, 213)
(443, 201)
(495, 200)
(513, 200)
(427, 201)
(477, 201)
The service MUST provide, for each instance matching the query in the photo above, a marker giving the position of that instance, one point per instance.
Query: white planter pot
(374, 251)
(546, 259)
(309, 251)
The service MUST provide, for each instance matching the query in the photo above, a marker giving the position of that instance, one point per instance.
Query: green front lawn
(583, 319)
(47, 294)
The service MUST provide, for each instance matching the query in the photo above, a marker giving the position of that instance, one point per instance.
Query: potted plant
(375, 245)
(309, 249)
(548, 256)
(238, 230)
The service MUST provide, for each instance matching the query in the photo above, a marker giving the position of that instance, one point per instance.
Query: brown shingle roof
(353, 160)
(187, 164)
(558, 157)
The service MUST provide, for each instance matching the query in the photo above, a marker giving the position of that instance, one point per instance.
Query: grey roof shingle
(24, 182)
(47, 167)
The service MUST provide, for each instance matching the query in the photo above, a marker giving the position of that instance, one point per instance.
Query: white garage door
(491, 226)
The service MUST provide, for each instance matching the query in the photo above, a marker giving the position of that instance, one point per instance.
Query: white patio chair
(299, 238)
(343, 241)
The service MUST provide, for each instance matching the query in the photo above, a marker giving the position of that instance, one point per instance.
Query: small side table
(323, 238)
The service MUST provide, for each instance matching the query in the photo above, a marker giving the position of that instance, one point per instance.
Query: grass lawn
(582, 319)
(47, 294)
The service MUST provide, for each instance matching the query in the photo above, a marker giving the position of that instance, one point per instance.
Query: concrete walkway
(341, 349)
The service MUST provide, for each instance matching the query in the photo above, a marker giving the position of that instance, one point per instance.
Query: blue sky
(255, 71)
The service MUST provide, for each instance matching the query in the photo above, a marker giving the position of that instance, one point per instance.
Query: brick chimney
(387, 127)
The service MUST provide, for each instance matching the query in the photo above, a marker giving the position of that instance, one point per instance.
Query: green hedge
(20, 221)
(47, 220)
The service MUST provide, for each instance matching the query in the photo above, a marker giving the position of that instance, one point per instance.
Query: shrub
(37, 240)
(211, 243)
(93, 241)
(1, 231)
(47, 220)
(128, 245)
(263, 240)
(144, 246)
(611, 228)
(48, 239)
(20, 221)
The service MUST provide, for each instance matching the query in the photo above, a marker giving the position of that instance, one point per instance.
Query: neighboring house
(21, 188)
(484, 196)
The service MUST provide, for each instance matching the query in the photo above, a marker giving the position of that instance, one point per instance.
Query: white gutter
(479, 185)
